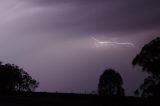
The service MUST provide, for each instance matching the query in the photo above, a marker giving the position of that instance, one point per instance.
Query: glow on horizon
(101, 43)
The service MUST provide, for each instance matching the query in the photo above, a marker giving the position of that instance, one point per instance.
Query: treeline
(110, 83)
(15, 79)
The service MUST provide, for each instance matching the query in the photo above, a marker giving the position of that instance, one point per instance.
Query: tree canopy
(110, 83)
(13, 78)
(149, 57)
(149, 60)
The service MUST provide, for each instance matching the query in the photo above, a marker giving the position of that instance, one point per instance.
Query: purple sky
(51, 40)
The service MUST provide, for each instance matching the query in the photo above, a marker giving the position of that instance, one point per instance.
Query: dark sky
(52, 40)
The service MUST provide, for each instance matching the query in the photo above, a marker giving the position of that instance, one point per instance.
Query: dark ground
(58, 99)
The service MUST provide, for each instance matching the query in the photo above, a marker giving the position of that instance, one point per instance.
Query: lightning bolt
(99, 43)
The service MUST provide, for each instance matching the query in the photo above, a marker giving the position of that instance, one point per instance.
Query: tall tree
(13, 78)
(110, 83)
(149, 60)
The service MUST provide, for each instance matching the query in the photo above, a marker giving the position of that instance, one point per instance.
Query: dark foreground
(61, 99)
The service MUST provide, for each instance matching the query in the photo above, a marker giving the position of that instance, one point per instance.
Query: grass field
(58, 99)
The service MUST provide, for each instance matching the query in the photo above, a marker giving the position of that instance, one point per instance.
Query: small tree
(13, 78)
(149, 60)
(110, 83)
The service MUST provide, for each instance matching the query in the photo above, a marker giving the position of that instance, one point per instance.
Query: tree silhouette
(149, 60)
(13, 78)
(110, 83)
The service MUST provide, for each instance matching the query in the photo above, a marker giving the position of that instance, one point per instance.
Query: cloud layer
(51, 40)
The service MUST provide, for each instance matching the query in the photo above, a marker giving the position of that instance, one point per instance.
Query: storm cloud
(51, 40)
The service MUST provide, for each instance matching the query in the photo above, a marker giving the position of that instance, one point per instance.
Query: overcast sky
(52, 40)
